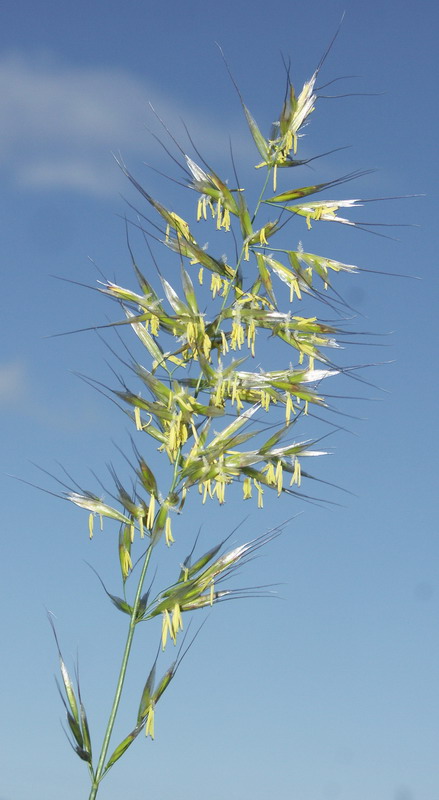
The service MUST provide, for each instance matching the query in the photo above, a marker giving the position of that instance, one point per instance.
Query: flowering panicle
(224, 409)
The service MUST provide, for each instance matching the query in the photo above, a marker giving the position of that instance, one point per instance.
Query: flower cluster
(219, 413)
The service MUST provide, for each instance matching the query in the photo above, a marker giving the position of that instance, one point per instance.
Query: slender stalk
(260, 198)
(126, 654)
(121, 679)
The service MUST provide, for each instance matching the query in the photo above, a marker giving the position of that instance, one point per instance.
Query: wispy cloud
(24, 394)
(61, 123)
(88, 175)
(12, 382)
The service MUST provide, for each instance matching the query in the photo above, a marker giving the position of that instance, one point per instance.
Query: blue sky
(329, 693)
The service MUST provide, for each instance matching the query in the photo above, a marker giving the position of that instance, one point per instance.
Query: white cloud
(12, 382)
(86, 175)
(61, 123)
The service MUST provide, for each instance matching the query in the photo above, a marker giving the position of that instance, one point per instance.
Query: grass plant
(203, 397)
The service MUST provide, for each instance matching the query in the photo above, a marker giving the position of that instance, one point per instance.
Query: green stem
(99, 774)
(267, 177)
(121, 680)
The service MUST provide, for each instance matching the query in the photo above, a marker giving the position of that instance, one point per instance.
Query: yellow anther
(297, 475)
(239, 403)
(251, 335)
(237, 335)
(247, 488)
(166, 628)
(149, 726)
(137, 418)
(226, 219)
(218, 214)
(154, 324)
(207, 489)
(220, 489)
(151, 513)
(271, 475)
(202, 207)
(260, 492)
(279, 477)
(262, 237)
(177, 622)
(126, 562)
(265, 400)
(207, 346)
(289, 408)
(215, 284)
(168, 532)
